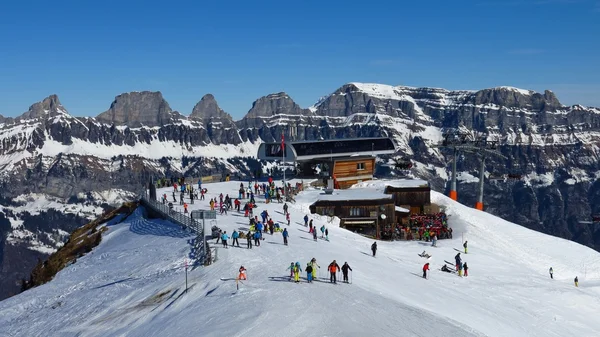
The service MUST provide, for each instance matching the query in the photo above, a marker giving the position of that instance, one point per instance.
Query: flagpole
(283, 164)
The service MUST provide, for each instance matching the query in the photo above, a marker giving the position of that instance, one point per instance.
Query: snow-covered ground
(132, 284)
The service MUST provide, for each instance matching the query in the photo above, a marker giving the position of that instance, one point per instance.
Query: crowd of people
(425, 227)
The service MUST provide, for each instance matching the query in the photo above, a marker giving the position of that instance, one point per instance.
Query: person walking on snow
(466, 269)
(305, 220)
(235, 235)
(314, 234)
(458, 261)
(333, 269)
(285, 236)
(425, 269)
(345, 269)
(309, 270)
(322, 231)
(374, 248)
(326, 234)
(291, 268)
(576, 281)
(434, 241)
(551, 273)
(287, 217)
(297, 270)
(224, 239)
(249, 240)
(465, 246)
(314, 265)
(285, 208)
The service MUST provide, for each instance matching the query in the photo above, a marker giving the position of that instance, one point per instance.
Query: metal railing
(184, 221)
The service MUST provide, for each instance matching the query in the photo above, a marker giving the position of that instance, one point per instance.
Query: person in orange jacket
(333, 269)
(425, 269)
(242, 275)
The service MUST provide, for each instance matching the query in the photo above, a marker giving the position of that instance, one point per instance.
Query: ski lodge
(346, 161)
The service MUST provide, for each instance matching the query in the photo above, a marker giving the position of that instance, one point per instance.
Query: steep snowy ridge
(133, 283)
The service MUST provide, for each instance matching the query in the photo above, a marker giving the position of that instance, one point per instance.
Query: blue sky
(88, 52)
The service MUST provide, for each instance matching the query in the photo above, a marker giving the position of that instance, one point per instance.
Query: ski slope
(132, 284)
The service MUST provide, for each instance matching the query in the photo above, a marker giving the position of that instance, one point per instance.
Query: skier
(237, 204)
(333, 269)
(314, 265)
(235, 235)
(310, 228)
(465, 245)
(466, 269)
(434, 241)
(285, 236)
(185, 210)
(309, 270)
(297, 270)
(425, 269)
(287, 217)
(446, 269)
(374, 248)
(249, 239)
(291, 268)
(458, 263)
(285, 208)
(314, 234)
(257, 238)
(576, 281)
(305, 220)
(326, 234)
(219, 236)
(345, 268)
(264, 215)
(551, 273)
(242, 275)
(224, 238)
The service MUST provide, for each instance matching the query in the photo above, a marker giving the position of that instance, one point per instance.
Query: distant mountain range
(87, 163)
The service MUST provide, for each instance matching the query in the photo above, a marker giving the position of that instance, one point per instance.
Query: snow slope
(132, 284)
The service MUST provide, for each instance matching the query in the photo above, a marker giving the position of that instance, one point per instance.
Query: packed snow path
(133, 283)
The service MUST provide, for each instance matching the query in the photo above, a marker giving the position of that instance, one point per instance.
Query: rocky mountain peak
(135, 109)
(276, 104)
(48, 107)
(517, 98)
(208, 108)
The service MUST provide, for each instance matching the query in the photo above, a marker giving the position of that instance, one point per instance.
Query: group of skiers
(311, 271)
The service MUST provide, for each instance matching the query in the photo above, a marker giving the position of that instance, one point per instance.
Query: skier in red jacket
(425, 269)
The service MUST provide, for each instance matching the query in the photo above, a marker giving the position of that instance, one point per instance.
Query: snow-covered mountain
(48, 152)
(133, 283)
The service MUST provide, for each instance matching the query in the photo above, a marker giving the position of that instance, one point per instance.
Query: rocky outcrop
(136, 109)
(219, 125)
(49, 107)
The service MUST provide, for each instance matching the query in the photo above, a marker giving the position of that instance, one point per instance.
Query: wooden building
(346, 161)
(413, 195)
(363, 211)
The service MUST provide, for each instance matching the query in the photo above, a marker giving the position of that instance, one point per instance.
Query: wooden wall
(344, 169)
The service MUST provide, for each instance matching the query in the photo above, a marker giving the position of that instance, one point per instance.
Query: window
(354, 211)
(326, 211)
(360, 166)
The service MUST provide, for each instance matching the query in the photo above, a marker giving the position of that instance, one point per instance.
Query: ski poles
(351, 277)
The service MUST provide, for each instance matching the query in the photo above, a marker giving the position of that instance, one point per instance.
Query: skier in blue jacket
(235, 235)
(224, 238)
(285, 236)
(305, 220)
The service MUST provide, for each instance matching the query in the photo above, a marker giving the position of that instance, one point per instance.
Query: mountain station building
(346, 161)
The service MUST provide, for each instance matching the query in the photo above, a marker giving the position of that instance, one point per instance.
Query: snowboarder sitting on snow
(425, 269)
(374, 248)
(446, 269)
(242, 275)
(345, 269)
